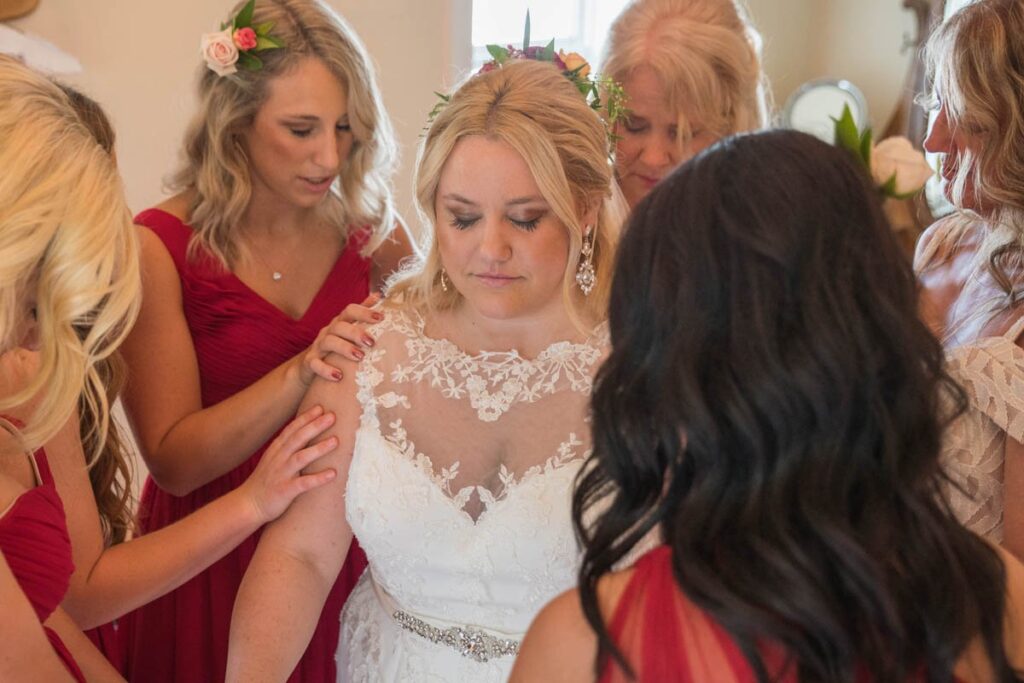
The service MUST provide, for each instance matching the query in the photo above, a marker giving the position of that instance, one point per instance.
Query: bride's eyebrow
(525, 200)
(458, 198)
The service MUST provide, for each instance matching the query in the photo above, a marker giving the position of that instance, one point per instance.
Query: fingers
(300, 420)
(372, 300)
(322, 368)
(304, 457)
(301, 431)
(311, 481)
(305, 481)
(352, 346)
(362, 313)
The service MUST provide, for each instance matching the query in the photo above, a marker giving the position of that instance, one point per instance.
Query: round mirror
(813, 106)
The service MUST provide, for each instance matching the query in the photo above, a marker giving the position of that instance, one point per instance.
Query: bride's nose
(494, 243)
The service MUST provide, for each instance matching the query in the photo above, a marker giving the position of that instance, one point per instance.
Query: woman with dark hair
(773, 403)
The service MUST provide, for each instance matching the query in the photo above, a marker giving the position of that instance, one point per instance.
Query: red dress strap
(34, 540)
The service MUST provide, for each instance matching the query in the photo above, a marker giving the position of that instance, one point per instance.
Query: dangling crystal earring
(444, 281)
(586, 278)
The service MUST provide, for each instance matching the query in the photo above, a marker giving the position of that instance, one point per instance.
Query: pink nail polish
(336, 375)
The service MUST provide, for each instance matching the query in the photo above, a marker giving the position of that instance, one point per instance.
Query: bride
(463, 428)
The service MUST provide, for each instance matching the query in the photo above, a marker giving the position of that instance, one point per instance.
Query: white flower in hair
(896, 159)
(219, 52)
(896, 167)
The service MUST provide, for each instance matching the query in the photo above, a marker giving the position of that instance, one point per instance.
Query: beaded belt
(469, 642)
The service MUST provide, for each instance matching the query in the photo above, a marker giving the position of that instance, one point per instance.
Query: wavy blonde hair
(976, 70)
(215, 165)
(112, 469)
(66, 238)
(705, 53)
(538, 112)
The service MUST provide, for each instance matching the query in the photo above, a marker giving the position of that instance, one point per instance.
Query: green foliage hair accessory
(236, 44)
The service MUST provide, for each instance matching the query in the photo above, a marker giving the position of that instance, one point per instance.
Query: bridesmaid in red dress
(775, 407)
(252, 274)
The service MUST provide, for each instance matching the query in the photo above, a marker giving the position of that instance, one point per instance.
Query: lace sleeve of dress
(992, 374)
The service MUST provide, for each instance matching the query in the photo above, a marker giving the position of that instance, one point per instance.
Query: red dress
(668, 639)
(239, 337)
(34, 540)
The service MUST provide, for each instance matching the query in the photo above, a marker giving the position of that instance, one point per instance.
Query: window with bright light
(576, 25)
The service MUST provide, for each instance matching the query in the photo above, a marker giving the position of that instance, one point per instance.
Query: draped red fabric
(238, 337)
(34, 540)
(666, 638)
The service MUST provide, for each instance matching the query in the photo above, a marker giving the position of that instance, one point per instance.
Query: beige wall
(140, 59)
(859, 40)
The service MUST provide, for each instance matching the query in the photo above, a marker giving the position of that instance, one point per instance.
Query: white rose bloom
(220, 52)
(896, 155)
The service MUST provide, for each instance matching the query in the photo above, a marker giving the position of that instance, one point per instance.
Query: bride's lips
(495, 280)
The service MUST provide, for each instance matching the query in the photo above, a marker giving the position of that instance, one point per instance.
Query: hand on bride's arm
(279, 478)
(345, 336)
(299, 555)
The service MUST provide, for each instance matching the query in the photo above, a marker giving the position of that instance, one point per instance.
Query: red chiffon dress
(34, 541)
(239, 337)
(666, 638)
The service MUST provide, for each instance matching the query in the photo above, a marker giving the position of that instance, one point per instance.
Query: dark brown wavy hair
(773, 404)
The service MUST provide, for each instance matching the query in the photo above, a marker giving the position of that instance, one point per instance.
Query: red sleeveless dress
(239, 337)
(34, 541)
(666, 638)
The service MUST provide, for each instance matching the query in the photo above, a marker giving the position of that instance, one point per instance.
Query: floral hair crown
(573, 66)
(237, 43)
(898, 170)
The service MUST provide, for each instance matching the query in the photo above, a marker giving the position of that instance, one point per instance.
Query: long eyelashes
(305, 132)
(460, 223)
(529, 226)
(463, 223)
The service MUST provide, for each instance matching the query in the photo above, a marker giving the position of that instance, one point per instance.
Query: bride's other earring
(444, 281)
(586, 278)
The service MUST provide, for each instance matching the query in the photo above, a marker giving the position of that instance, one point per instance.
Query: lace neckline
(493, 380)
(597, 338)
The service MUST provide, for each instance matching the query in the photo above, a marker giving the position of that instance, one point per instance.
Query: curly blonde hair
(706, 54)
(976, 70)
(66, 239)
(215, 165)
(538, 112)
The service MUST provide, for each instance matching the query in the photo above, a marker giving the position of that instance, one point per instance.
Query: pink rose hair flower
(245, 38)
(237, 43)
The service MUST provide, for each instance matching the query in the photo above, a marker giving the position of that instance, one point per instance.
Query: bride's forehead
(487, 167)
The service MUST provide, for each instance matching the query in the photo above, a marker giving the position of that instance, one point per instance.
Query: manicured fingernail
(358, 354)
(367, 340)
(377, 315)
(337, 375)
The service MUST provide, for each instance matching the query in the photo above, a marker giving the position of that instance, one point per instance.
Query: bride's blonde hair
(538, 112)
(66, 239)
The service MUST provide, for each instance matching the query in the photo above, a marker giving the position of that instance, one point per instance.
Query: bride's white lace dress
(459, 491)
